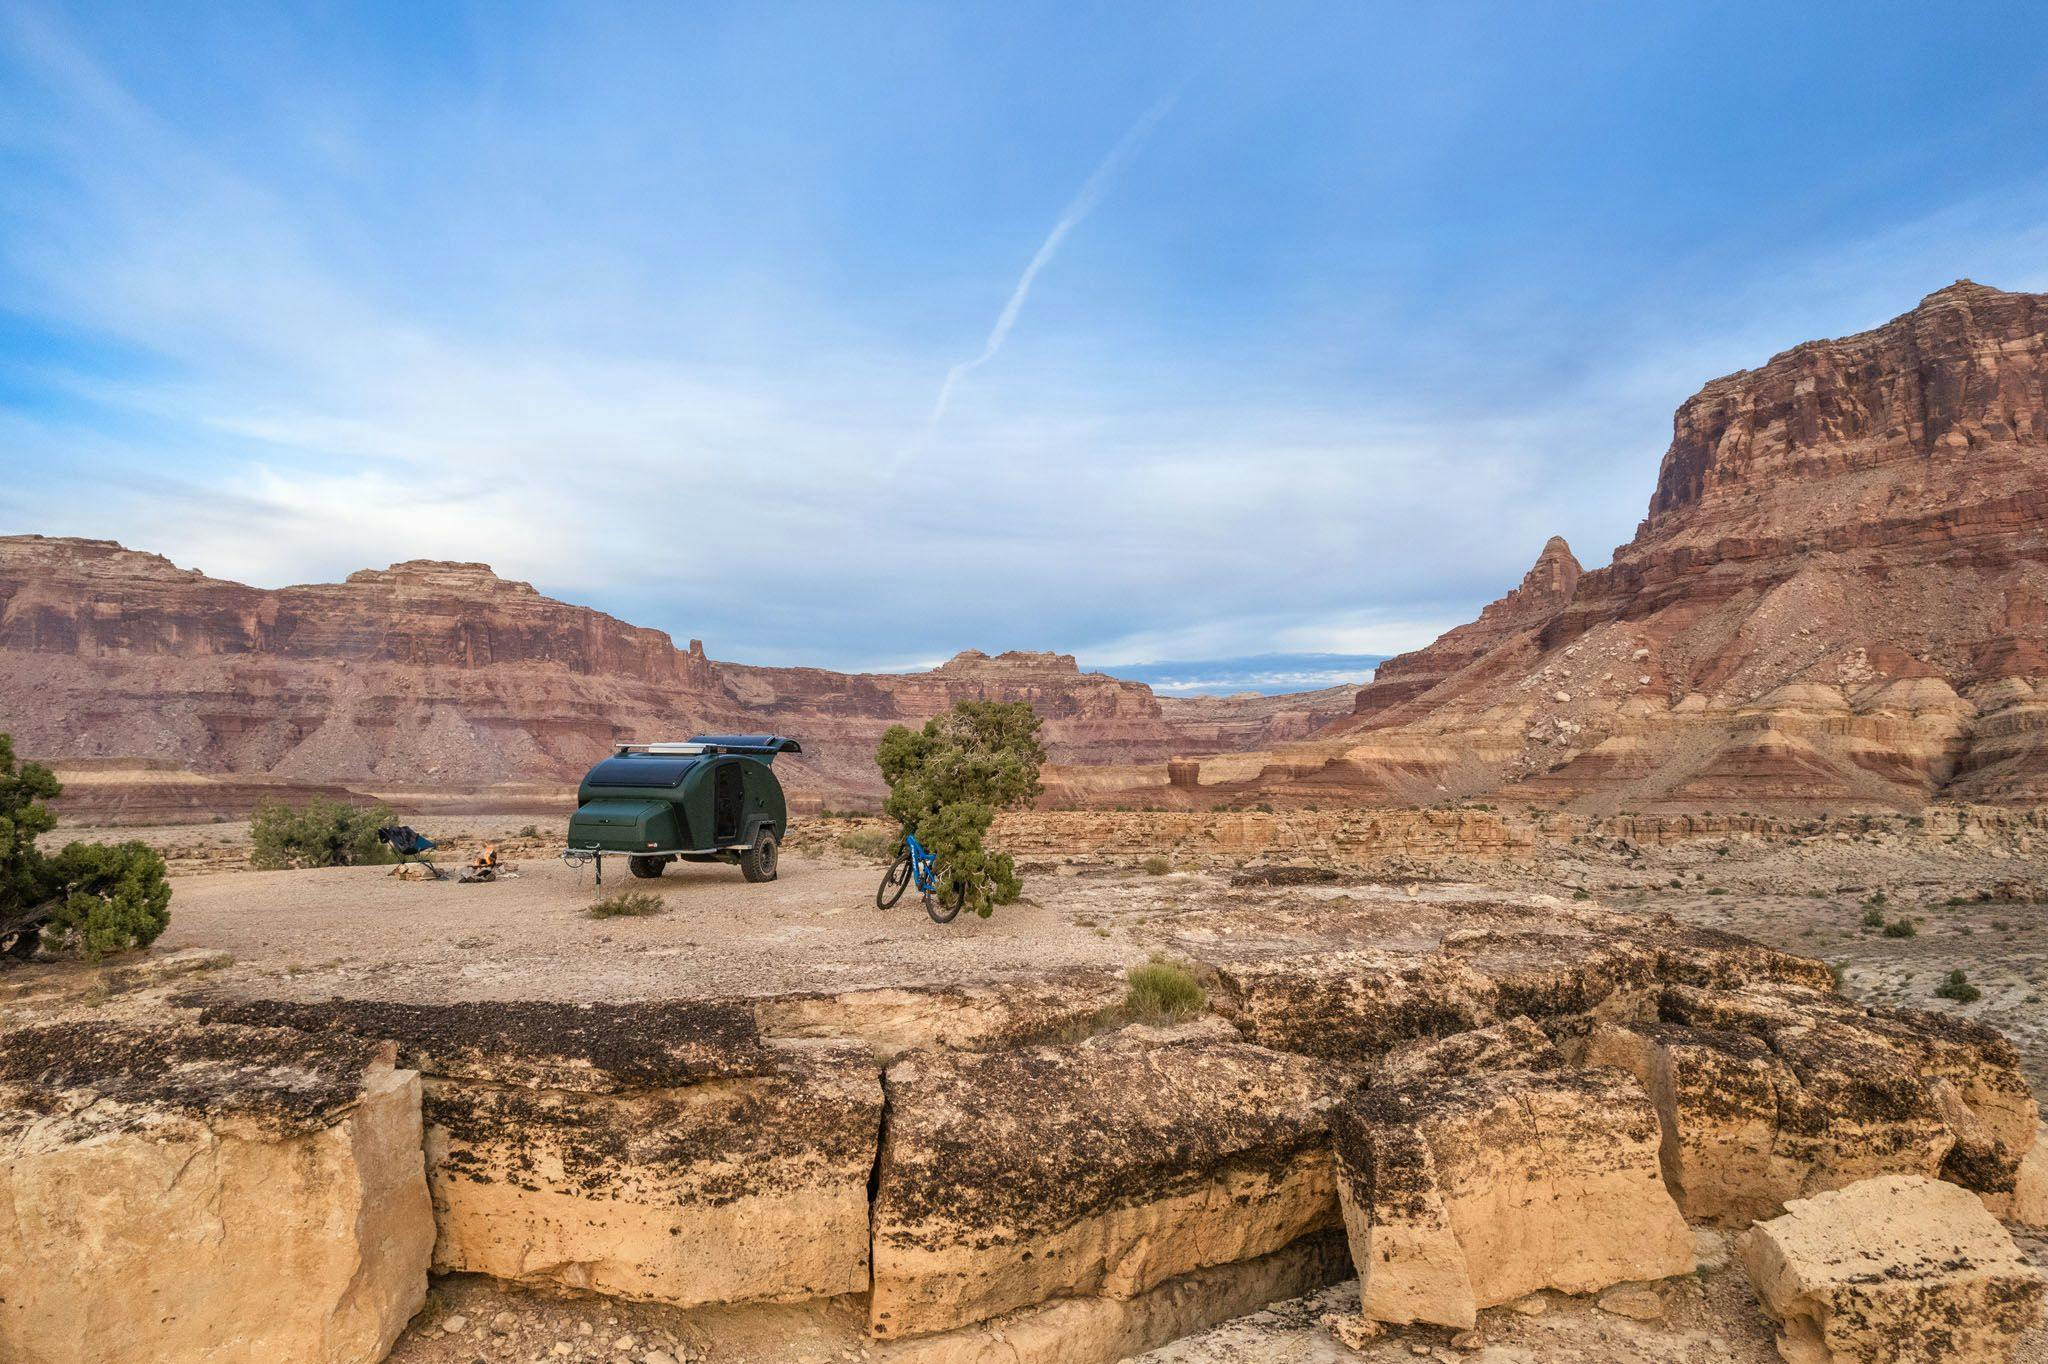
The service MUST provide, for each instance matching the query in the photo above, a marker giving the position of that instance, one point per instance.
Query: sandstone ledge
(1102, 1168)
(160, 1186)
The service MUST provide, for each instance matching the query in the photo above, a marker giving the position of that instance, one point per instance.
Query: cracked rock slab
(733, 1190)
(1103, 1169)
(160, 1185)
(1894, 1270)
(1462, 1193)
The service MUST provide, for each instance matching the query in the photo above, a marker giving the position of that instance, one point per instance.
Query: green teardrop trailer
(712, 799)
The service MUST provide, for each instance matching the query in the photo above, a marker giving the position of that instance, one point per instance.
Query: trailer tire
(757, 863)
(646, 868)
(22, 943)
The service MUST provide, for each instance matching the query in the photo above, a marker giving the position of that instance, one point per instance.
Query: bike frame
(923, 866)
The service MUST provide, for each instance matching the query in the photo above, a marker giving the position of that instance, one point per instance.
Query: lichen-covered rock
(727, 1191)
(1894, 1270)
(537, 1043)
(1467, 1192)
(1775, 1092)
(657, 1151)
(1517, 1044)
(1105, 1168)
(1354, 984)
(237, 1195)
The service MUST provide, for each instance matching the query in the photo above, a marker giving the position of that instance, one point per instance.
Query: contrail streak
(1081, 206)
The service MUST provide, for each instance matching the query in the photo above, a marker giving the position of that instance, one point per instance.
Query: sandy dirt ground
(356, 930)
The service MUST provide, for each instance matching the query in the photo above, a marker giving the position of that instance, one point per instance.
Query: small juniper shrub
(1957, 987)
(1901, 927)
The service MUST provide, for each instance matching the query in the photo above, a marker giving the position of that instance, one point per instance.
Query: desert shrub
(628, 904)
(948, 780)
(871, 843)
(1839, 970)
(320, 833)
(1901, 928)
(1161, 992)
(1957, 987)
(1873, 917)
(529, 831)
(1157, 866)
(91, 898)
(1582, 894)
(112, 896)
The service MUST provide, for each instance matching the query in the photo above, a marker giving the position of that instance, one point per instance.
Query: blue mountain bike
(915, 864)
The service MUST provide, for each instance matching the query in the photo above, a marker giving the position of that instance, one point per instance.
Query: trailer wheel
(646, 868)
(22, 944)
(757, 863)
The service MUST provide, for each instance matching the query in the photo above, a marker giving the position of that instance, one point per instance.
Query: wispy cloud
(1076, 211)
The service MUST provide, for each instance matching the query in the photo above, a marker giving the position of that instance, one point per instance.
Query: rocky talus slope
(1839, 597)
(444, 674)
(1461, 1101)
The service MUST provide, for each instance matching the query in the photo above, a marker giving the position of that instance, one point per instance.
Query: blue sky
(1270, 330)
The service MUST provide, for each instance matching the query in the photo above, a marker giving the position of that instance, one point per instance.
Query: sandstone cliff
(1839, 596)
(444, 674)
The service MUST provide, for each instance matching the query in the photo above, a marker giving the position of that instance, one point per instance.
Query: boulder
(1894, 1270)
(237, 1195)
(1103, 1168)
(1463, 1193)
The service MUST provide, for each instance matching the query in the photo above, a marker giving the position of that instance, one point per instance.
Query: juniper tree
(93, 898)
(948, 780)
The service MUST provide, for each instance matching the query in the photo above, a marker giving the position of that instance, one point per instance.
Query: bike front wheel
(894, 881)
(944, 908)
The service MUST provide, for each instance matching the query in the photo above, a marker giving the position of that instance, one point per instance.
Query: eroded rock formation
(1463, 1191)
(1839, 597)
(1104, 1168)
(443, 674)
(657, 1151)
(1897, 1270)
(159, 1185)
(1771, 1093)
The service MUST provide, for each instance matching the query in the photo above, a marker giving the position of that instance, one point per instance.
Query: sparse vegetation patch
(1163, 992)
(628, 904)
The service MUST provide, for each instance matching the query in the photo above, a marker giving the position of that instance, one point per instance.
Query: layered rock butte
(444, 674)
(1839, 597)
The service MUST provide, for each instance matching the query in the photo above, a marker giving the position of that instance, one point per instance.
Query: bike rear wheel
(894, 881)
(942, 908)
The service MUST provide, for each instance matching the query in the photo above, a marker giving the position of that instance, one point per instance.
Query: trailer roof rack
(768, 744)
